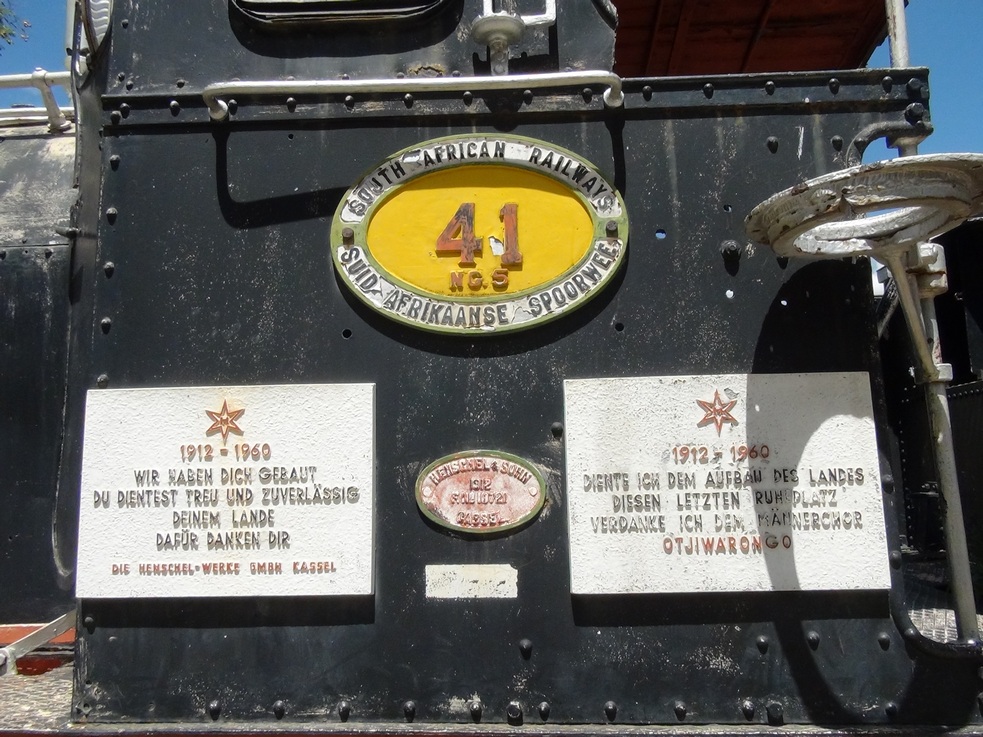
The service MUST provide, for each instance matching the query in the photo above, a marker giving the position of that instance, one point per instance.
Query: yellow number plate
(479, 234)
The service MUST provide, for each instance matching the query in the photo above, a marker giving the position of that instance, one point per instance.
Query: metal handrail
(59, 118)
(216, 96)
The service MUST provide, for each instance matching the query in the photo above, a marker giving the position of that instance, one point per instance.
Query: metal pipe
(216, 95)
(42, 81)
(897, 31)
(960, 576)
(923, 325)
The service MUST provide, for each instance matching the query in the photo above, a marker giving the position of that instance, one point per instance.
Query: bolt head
(514, 711)
(776, 713)
(525, 647)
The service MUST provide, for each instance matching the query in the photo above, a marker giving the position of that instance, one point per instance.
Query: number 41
(458, 236)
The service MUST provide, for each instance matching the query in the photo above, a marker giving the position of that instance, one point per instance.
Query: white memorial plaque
(761, 482)
(227, 491)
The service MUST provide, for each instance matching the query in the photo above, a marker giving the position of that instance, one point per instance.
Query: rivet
(834, 85)
(770, 87)
(884, 640)
(891, 709)
(762, 643)
(345, 76)
(475, 708)
(647, 92)
(730, 249)
(544, 710)
(557, 429)
(111, 214)
(887, 483)
(514, 712)
(233, 107)
(400, 75)
(456, 73)
(214, 709)
(108, 268)
(115, 117)
(708, 90)
(349, 102)
(124, 109)
(680, 710)
(467, 97)
(89, 623)
(610, 710)
(102, 381)
(587, 93)
(776, 713)
(125, 23)
(837, 142)
(105, 324)
(279, 709)
(979, 702)
(895, 559)
(887, 83)
(344, 710)
(180, 84)
(915, 86)
(347, 236)
(291, 104)
(812, 637)
(914, 113)
(120, 76)
(175, 107)
(979, 673)
(611, 228)
(525, 647)
(408, 100)
(114, 162)
(129, 84)
(409, 710)
(772, 144)
(782, 262)
(747, 709)
(527, 96)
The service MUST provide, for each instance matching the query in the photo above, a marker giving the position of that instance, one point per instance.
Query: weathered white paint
(625, 428)
(472, 581)
(329, 428)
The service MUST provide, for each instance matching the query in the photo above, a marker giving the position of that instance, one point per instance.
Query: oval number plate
(481, 491)
(479, 234)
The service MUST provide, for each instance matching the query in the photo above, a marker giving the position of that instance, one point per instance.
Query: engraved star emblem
(224, 421)
(717, 412)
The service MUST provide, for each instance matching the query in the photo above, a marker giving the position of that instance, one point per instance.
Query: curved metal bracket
(217, 96)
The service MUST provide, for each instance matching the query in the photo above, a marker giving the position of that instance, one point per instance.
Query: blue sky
(943, 35)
